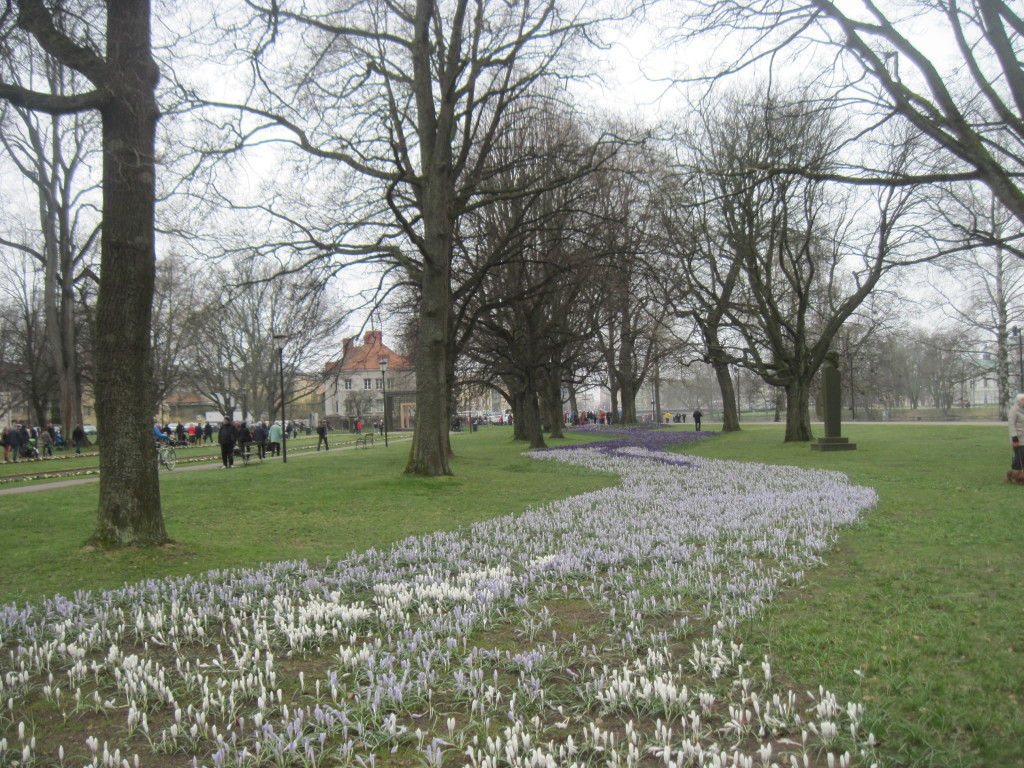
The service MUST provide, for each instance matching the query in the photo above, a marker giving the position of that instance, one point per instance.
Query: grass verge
(316, 506)
(920, 611)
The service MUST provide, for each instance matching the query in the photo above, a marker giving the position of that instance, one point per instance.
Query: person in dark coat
(208, 432)
(227, 435)
(14, 441)
(321, 436)
(259, 436)
(697, 416)
(78, 437)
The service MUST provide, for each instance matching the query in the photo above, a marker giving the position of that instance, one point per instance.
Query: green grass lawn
(316, 506)
(918, 613)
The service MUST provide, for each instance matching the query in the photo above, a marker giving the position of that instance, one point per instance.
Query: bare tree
(869, 375)
(121, 80)
(631, 306)
(702, 267)
(969, 106)
(411, 98)
(176, 304)
(523, 276)
(28, 367)
(948, 363)
(986, 295)
(231, 350)
(54, 154)
(795, 240)
(529, 321)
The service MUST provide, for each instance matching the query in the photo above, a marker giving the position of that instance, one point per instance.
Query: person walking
(321, 435)
(697, 416)
(227, 435)
(243, 436)
(1016, 419)
(276, 433)
(46, 441)
(78, 437)
(14, 440)
(259, 436)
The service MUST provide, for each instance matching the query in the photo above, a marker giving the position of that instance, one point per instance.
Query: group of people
(605, 417)
(21, 442)
(587, 417)
(191, 434)
(265, 437)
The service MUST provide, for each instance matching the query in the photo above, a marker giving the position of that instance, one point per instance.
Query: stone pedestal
(832, 441)
(833, 444)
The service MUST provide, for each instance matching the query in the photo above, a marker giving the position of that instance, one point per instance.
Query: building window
(367, 383)
(380, 383)
(348, 383)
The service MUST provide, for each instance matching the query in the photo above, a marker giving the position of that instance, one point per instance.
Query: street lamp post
(384, 388)
(1020, 359)
(280, 340)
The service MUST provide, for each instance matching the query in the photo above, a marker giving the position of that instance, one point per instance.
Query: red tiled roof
(367, 356)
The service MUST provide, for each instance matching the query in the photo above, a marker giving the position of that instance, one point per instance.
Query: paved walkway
(213, 464)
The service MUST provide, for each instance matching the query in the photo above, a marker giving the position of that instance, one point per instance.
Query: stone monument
(833, 407)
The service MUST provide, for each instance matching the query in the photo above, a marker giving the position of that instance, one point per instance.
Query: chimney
(373, 338)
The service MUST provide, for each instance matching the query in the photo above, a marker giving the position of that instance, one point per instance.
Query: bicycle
(165, 456)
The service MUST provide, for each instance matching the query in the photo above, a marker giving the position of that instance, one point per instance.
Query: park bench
(365, 440)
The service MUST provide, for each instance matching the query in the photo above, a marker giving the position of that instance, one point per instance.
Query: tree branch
(52, 104)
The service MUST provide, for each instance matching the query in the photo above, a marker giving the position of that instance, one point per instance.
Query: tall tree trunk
(451, 406)
(552, 383)
(798, 414)
(628, 391)
(59, 302)
(532, 418)
(730, 414)
(429, 453)
(1003, 357)
(517, 404)
(525, 411)
(129, 510)
(574, 406)
(435, 128)
(613, 402)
